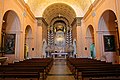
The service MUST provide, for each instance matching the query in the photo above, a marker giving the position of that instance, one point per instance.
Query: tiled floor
(60, 71)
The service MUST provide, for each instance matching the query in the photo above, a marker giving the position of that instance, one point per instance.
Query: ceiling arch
(59, 10)
(79, 6)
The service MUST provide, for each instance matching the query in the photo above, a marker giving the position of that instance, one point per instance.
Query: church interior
(60, 40)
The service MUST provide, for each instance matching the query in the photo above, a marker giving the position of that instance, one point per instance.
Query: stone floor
(60, 71)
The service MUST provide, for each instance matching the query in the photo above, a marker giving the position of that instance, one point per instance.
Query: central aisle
(60, 71)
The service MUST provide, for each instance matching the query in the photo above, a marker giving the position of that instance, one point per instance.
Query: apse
(59, 17)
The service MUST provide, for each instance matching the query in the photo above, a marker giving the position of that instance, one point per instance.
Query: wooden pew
(87, 68)
(28, 67)
(99, 74)
(17, 75)
(104, 78)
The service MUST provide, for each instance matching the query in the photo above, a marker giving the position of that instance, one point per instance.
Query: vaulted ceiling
(52, 8)
(59, 10)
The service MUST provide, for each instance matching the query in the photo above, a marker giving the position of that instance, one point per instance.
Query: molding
(21, 3)
(29, 38)
(41, 20)
(59, 18)
(25, 7)
(91, 8)
(106, 31)
(14, 32)
(44, 22)
(98, 4)
(89, 37)
(74, 22)
(77, 21)
(29, 11)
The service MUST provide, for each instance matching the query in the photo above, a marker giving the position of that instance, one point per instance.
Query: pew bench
(17, 75)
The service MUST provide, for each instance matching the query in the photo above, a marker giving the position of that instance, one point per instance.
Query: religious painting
(10, 43)
(109, 43)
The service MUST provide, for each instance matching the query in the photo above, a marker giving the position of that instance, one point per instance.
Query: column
(79, 38)
(48, 35)
(70, 36)
(41, 35)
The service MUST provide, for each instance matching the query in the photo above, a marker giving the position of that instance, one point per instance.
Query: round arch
(9, 15)
(9, 34)
(59, 17)
(90, 40)
(99, 16)
(28, 42)
(55, 19)
(59, 10)
(16, 12)
(106, 17)
(108, 30)
(90, 31)
(78, 8)
(28, 31)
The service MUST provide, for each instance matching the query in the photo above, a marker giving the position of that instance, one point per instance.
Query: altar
(59, 54)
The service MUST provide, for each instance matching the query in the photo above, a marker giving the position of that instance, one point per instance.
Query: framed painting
(109, 43)
(10, 43)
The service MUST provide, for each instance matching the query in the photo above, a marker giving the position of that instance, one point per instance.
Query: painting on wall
(109, 43)
(10, 43)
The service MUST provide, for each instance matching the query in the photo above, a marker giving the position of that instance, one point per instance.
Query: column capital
(77, 21)
(40, 21)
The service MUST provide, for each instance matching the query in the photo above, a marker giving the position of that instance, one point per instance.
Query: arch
(106, 17)
(28, 42)
(107, 26)
(102, 12)
(90, 40)
(10, 29)
(90, 31)
(28, 30)
(63, 19)
(12, 13)
(11, 18)
(63, 10)
(44, 4)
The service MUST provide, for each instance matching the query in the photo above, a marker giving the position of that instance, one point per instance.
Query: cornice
(29, 11)
(91, 8)
(41, 20)
(25, 7)
(77, 21)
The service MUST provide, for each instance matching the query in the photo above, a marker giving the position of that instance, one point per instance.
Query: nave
(42, 28)
(60, 71)
(33, 32)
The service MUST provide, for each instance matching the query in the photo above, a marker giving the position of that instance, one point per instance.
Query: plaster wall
(39, 41)
(25, 18)
(92, 18)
